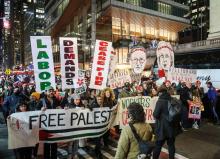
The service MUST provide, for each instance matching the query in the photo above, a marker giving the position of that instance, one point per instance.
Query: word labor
(69, 56)
(72, 119)
(43, 65)
(101, 62)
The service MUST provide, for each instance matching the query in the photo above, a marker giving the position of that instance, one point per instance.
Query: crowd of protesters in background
(19, 96)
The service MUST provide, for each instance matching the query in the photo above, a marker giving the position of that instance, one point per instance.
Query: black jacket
(185, 94)
(164, 129)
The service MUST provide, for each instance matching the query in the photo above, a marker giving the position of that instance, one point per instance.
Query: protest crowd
(18, 94)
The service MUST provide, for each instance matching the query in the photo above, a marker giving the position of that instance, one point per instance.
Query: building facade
(34, 24)
(200, 22)
(119, 21)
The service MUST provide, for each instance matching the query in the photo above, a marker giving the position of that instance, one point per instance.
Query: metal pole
(93, 29)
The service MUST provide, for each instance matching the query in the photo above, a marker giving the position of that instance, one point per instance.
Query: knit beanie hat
(36, 95)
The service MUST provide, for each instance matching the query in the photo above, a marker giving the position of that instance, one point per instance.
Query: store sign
(69, 62)
(43, 62)
(100, 66)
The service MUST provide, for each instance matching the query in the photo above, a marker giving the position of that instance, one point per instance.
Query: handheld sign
(43, 62)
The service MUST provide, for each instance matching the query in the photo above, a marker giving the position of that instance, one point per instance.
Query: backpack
(174, 109)
(145, 147)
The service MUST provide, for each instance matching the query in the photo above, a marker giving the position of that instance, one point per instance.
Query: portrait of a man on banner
(165, 56)
(138, 59)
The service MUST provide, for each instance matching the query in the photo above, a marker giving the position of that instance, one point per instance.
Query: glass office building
(119, 21)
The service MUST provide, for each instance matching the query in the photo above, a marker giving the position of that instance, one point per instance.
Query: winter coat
(10, 103)
(44, 101)
(163, 128)
(185, 94)
(34, 105)
(128, 145)
(212, 94)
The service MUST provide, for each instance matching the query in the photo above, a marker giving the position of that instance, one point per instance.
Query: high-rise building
(199, 19)
(119, 21)
(33, 24)
(1, 31)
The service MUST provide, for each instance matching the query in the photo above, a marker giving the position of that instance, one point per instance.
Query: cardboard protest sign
(100, 66)
(113, 62)
(81, 82)
(135, 77)
(147, 102)
(119, 78)
(43, 62)
(56, 125)
(69, 62)
(194, 110)
(180, 74)
(165, 56)
(138, 59)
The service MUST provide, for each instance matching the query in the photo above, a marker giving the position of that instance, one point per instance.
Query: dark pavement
(194, 144)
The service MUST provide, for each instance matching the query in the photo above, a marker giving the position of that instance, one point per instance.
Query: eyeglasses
(136, 60)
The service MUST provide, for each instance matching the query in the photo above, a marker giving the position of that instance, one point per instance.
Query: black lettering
(42, 121)
(95, 117)
(81, 117)
(69, 81)
(70, 75)
(104, 116)
(87, 119)
(69, 62)
(74, 116)
(50, 119)
(60, 119)
(109, 114)
(68, 68)
(32, 120)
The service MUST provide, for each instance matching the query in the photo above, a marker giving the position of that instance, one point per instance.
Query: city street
(193, 144)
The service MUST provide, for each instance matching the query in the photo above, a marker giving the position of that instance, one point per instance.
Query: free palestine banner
(56, 125)
(43, 62)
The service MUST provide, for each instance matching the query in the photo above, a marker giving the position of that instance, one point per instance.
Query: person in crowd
(97, 103)
(92, 94)
(49, 101)
(198, 95)
(9, 104)
(212, 96)
(145, 88)
(126, 91)
(170, 89)
(25, 92)
(186, 98)
(165, 130)
(108, 100)
(74, 103)
(34, 101)
(154, 92)
(174, 87)
(139, 90)
(64, 100)
(128, 146)
(24, 152)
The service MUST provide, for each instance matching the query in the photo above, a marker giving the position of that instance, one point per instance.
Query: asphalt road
(193, 144)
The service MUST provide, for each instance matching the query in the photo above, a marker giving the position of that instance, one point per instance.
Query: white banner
(180, 74)
(43, 62)
(100, 66)
(69, 62)
(119, 78)
(213, 75)
(56, 125)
